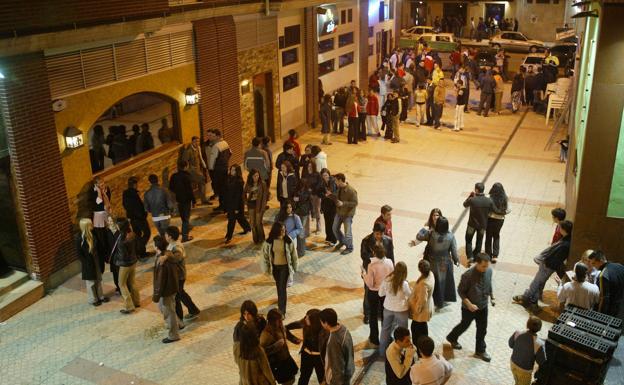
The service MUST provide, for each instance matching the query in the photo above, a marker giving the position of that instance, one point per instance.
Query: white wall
(342, 76)
(292, 102)
(373, 20)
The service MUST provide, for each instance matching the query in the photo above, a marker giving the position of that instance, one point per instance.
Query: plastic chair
(555, 102)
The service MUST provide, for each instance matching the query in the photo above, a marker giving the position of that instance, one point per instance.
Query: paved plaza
(63, 340)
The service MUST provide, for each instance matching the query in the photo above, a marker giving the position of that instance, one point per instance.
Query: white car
(416, 31)
(515, 41)
(536, 60)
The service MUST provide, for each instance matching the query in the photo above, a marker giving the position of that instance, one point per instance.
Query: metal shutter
(158, 52)
(130, 59)
(181, 47)
(65, 73)
(98, 65)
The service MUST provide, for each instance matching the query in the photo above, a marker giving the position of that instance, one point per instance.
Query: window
(290, 81)
(343, 16)
(350, 15)
(345, 60)
(289, 57)
(371, 50)
(371, 31)
(345, 39)
(542, 1)
(113, 141)
(382, 8)
(292, 35)
(326, 67)
(390, 10)
(326, 45)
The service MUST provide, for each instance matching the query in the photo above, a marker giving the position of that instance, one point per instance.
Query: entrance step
(19, 297)
(11, 281)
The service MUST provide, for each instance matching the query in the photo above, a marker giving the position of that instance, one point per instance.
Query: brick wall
(217, 76)
(33, 143)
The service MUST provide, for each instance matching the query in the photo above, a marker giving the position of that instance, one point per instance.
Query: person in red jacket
(354, 123)
(292, 138)
(372, 110)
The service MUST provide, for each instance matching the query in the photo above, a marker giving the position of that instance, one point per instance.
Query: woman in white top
(397, 292)
(377, 271)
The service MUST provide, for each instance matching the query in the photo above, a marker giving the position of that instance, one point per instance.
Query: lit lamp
(73, 137)
(191, 96)
(245, 86)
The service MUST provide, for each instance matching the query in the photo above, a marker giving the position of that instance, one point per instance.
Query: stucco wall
(292, 102)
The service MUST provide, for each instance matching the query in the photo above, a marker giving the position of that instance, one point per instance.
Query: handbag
(284, 370)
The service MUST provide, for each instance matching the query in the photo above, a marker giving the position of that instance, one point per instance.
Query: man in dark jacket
(135, 211)
(551, 260)
(289, 155)
(488, 85)
(156, 201)
(611, 284)
(180, 185)
(218, 164)
(376, 238)
(257, 158)
(480, 206)
(165, 289)
(340, 102)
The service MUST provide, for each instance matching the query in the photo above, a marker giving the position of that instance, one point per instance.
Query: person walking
(253, 364)
(346, 203)
(488, 87)
(460, 105)
(578, 292)
(218, 161)
(257, 159)
(527, 349)
(399, 358)
(286, 183)
(192, 154)
(256, 196)
(135, 211)
(92, 264)
(339, 360)
(439, 97)
(279, 257)
(442, 254)
(421, 301)
(480, 207)
(430, 369)
(475, 288)
(249, 317)
(610, 281)
(108, 244)
(325, 113)
(396, 291)
(274, 342)
(180, 184)
(550, 260)
(495, 220)
(165, 289)
(327, 191)
(292, 223)
(314, 339)
(124, 252)
(235, 203)
(376, 271)
(156, 201)
(372, 111)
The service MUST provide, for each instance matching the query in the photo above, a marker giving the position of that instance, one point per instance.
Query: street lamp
(191, 96)
(73, 137)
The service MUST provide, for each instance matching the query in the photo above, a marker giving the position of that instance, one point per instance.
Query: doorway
(495, 11)
(11, 252)
(263, 104)
(418, 13)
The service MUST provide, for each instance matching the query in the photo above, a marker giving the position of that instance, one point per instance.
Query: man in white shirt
(578, 292)
(430, 369)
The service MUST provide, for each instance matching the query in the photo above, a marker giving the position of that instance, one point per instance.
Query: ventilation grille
(80, 70)
(256, 31)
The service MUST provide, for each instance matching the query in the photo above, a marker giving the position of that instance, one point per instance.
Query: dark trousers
(182, 297)
(419, 329)
(470, 232)
(233, 217)
(352, 133)
(220, 183)
(115, 270)
(328, 215)
(528, 92)
(492, 236)
(429, 110)
(467, 97)
(362, 125)
(485, 102)
(389, 131)
(437, 114)
(184, 208)
(308, 364)
(339, 121)
(480, 316)
(280, 274)
(142, 231)
(374, 300)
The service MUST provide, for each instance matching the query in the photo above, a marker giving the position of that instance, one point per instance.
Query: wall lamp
(191, 96)
(245, 88)
(73, 138)
(584, 14)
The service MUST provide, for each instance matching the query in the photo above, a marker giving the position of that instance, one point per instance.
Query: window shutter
(181, 47)
(65, 73)
(98, 65)
(158, 53)
(130, 59)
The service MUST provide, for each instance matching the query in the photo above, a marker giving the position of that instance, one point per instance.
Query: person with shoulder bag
(125, 254)
(273, 341)
(279, 257)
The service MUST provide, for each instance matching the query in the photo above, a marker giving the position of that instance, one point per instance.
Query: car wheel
(533, 49)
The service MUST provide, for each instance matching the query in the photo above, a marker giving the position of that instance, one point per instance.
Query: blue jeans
(536, 288)
(391, 320)
(346, 238)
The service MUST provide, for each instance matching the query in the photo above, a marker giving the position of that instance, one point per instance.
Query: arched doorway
(134, 126)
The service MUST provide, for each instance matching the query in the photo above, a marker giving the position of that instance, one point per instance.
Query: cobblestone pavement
(63, 340)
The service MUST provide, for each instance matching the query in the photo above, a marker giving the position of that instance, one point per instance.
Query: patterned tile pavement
(62, 340)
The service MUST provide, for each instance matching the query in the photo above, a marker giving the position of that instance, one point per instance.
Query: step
(11, 281)
(20, 298)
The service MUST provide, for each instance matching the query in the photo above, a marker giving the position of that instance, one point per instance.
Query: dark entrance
(11, 252)
(494, 10)
(263, 104)
(455, 16)
(418, 13)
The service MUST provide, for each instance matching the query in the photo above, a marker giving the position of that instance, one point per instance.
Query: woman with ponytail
(92, 266)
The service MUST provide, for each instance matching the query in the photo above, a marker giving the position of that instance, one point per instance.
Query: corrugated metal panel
(181, 47)
(267, 30)
(246, 34)
(130, 59)
(65, 73)
(255, 31)
(158, 54)
(99, 66)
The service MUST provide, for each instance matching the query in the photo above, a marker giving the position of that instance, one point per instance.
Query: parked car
(565, 52)
(415, 31)
(515, 41)
(536, 60)
(441, 42)
(486, 59)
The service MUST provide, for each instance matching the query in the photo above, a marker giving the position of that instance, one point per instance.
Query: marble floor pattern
(63, 340)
